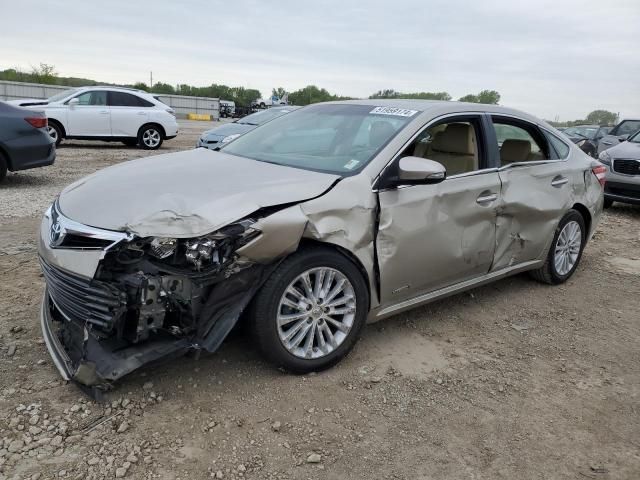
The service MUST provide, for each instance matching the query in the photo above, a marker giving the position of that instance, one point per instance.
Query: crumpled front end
(114, 302)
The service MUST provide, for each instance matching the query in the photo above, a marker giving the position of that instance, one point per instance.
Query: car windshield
(586, 132)
(61, 95)
(333, 138)
(259, 118)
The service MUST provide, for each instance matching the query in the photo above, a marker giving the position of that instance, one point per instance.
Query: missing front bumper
(80, 357)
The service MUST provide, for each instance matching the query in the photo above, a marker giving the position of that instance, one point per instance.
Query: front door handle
(103, 112)
(607, 143)
(486, 197)
(559, 181)
(142, 113)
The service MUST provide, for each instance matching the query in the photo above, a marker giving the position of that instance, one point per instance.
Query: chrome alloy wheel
(151, 138)
(316, 313)
(568, 247)
(53, 133)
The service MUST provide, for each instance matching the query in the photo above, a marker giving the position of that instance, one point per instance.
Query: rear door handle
(607, 143)
(104, 112)
(559, 181)
(486, 197)
(142, 113)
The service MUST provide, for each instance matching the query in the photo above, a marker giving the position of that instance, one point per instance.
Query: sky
(554, 59)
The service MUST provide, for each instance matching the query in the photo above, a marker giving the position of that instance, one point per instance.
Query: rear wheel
(55, 132)
(566, 250)
(150, 137)
(309, 313)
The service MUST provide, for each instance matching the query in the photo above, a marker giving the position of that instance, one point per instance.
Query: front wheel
(150, 137)
(309, 313)
(566, 250)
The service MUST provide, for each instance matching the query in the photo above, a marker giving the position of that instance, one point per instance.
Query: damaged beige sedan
(308, 227)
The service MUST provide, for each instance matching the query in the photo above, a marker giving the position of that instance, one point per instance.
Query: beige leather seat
(514, 150)
(455, 148)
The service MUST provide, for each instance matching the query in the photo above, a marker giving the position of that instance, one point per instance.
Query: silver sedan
(308, 227)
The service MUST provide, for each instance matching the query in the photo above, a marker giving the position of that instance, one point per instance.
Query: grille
(82, 300)
(628, 167)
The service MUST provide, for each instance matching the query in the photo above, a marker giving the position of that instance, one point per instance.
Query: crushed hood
(185, 194)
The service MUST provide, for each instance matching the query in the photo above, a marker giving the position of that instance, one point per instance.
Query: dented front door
(432, 236)
(533, 199)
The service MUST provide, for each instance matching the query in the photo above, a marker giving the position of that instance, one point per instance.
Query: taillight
(37, 122)
(600, 171)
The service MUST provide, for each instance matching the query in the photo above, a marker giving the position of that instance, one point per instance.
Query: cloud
(549, 58)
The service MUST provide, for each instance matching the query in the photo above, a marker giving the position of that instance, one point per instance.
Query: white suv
(133, 117)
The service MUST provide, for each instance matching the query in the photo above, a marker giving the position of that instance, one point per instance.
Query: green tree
(165, 88)
(489, 97)
(279, 92)
(312, 94)
(141, 86)
(602, 117)
(45, 73)
(390, 93)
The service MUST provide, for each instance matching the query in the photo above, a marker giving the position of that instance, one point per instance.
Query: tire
(150, 137)
(3, 167)
(608, 203)
(262, 105)
(130, 142)
(267, 305)
(55, 131)
(549, 272)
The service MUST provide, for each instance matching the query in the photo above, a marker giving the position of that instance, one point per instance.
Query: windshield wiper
(248, 123)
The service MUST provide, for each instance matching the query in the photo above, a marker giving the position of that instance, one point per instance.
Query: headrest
(456, 138)
(514, 150)
(380, 132)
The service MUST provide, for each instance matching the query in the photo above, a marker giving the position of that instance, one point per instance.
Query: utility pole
(150, 79)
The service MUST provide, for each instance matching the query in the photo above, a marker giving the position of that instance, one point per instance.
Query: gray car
(623, 172)
(217, 137)
(308, 227)
(619, 133)
(24, 141)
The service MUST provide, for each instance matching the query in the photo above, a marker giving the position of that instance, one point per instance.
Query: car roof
(109, 87)
(285, 107)
(441, 107)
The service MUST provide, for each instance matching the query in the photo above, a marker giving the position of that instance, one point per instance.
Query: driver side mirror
(624, 137)
(419, 171)
(73, 102)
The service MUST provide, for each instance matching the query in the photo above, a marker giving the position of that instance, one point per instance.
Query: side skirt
(389, 310)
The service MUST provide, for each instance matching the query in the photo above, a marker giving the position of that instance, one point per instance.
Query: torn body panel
(346, 217)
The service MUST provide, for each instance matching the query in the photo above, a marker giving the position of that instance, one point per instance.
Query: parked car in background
(623, 172)
(271, 102)
(130, 116)
(24, 139)
(618, 134)
(315, 223)
(227, 108)
(587, 137)
(216, 137)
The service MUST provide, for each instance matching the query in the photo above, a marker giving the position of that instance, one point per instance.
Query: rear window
(122, 99)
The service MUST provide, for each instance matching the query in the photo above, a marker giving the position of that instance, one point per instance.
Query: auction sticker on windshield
(399, 112)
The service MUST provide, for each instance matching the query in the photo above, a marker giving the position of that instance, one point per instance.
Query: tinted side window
(92, 98)
(121, 99)
(519, 142)
(628, 127)
(561, 148)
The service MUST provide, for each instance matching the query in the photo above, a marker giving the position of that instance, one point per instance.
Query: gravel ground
(514, 380)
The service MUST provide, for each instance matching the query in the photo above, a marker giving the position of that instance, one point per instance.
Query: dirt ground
(515, 380)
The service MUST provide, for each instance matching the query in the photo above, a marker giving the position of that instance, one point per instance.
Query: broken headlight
(205, 252)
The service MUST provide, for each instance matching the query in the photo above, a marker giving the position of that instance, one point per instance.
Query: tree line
(46, 74)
